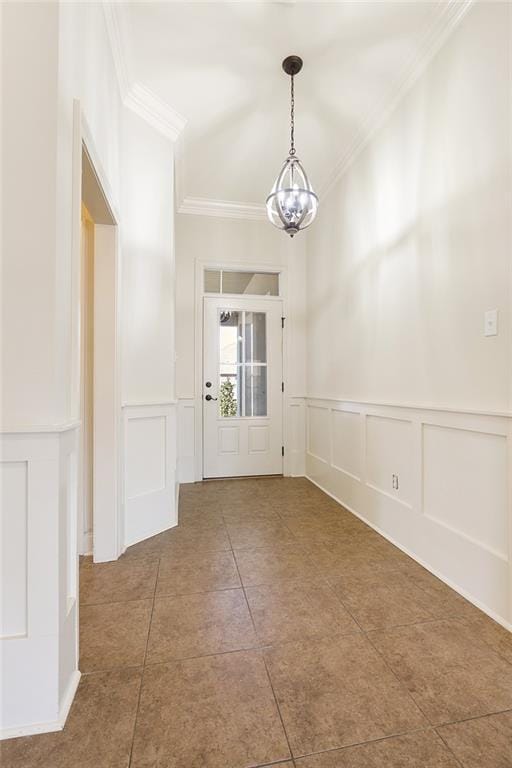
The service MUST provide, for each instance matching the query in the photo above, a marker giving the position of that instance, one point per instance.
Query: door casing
(273, 460)
(201, 265)
(107, 517)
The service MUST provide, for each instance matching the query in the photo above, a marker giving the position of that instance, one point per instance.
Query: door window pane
(230, 391)
(255, 390)
(230, 341)
(242, 386)
(230, 363)
(255, 337)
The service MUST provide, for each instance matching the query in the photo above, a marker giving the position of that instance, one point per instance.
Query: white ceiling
(218, 64)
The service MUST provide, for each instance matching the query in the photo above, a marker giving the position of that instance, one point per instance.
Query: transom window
(226, 281)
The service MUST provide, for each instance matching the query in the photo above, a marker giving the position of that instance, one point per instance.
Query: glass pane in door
(255, 390)
(242, 386)
(230, 391)
(255, 337)
(230, 363)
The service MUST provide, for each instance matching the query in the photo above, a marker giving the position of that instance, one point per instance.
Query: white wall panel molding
(149, 403)
(318, 433)
(35, 429)
(186, 439)
(38, 621)
(380, 465)
(295, 437)
(149, 470)
(400, 408)
(189, 420)
(450, 504)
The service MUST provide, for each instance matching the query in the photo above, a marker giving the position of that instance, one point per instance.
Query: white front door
(242, 387)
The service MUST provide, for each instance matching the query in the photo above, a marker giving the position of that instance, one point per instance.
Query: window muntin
(242, 364)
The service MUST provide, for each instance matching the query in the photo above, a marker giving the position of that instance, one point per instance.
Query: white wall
(413, 244)
(29, 89)
(52, 55)
(225, 241)
(149, 408)
(147, 242)
(232, 241)
(410, 248)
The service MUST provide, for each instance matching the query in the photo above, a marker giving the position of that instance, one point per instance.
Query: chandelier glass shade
(292, 204)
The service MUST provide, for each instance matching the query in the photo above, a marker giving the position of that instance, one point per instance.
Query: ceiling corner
(135, 96)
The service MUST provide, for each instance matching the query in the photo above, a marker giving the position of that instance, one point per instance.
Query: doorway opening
(85, 526)
(98, 514)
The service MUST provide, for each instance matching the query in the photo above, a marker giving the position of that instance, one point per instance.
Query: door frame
(201, 265)
(250, 303)
(107, 460)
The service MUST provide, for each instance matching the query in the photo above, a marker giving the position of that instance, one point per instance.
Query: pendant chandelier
(292, 204)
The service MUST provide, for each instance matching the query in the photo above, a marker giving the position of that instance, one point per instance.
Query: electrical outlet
(491, 322)
(394, 482)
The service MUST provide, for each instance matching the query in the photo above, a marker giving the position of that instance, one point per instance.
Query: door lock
(208, 384)
(209, 397)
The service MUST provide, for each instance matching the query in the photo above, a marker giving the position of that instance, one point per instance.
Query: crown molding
(135, 96)
(201, 206)
(155, 111)
(110, 13)
(436, 35)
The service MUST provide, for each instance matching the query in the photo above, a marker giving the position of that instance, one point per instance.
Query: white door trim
(201, 265)
(107, 518)
(245, 462)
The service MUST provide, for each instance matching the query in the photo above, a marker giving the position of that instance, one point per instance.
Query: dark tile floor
(272, 627)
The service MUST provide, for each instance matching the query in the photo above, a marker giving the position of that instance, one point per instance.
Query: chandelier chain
(292, 117)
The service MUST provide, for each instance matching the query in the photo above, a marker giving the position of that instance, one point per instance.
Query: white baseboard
(53, 725)
(452, 585)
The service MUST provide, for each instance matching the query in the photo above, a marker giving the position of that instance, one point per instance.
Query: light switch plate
(491, 322)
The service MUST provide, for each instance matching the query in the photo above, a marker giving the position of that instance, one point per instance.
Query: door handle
(209, 397)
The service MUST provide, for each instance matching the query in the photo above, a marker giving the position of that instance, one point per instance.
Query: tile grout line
(373, 646)
(261, 649)
(143, 667)
(402, 685)
(263, 659)
(398, 735)
(450, 750)
(474, 717)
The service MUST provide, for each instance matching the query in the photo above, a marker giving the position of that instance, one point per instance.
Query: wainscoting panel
(468, 493)
(146, 436)
(295, 437)
(186, 440)
(452, 508)
(189, 425)
(38, 643)
(389, 444)
(347, 443)
(13, 485)
(149, 470)
(318, 429)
